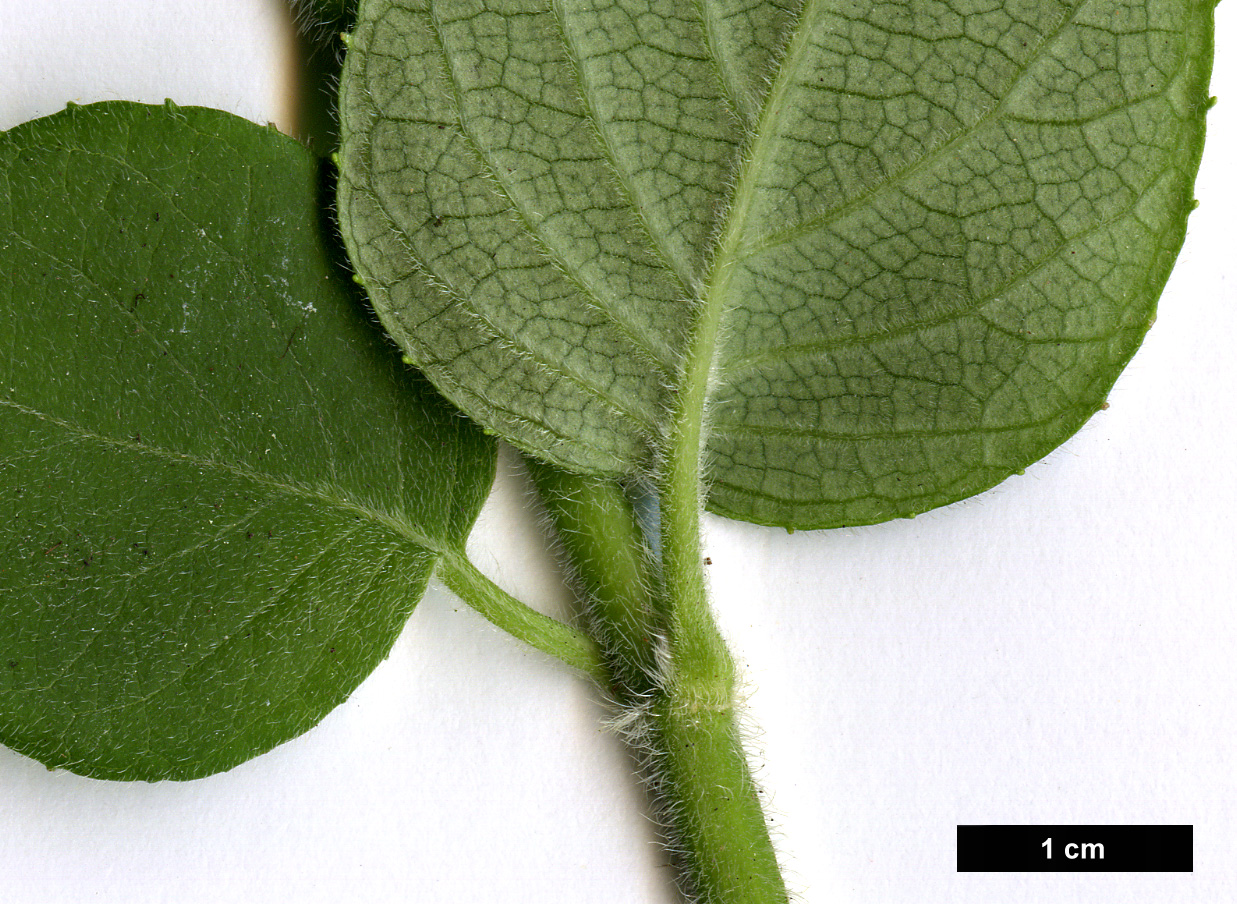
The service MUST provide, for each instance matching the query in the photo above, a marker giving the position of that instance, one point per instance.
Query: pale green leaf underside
(221, 493)
(934, 230)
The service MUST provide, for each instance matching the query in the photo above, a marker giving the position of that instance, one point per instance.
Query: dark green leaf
(221, 492)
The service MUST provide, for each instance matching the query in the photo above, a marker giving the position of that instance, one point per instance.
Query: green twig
(674, 680)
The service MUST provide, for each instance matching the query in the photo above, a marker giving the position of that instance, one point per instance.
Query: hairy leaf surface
(221, 492)
(931, 232)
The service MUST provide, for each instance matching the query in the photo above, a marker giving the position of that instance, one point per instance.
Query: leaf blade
(930, 248)
(968, 279)
(201, 445)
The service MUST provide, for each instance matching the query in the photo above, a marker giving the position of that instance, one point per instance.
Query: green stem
(719, 819)
(597, 527)
(717, 812)
(681, 702)
(718, 824)
(518, 619)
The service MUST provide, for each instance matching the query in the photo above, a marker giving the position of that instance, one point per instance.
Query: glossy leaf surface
(221, 492)
(930, 233)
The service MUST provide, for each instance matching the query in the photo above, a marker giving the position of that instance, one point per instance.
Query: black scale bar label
(1076, 849)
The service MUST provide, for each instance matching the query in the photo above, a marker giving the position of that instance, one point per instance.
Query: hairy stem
(597, 527)
(718, 815)
(679, 700)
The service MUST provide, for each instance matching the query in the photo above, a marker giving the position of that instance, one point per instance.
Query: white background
(1058, 650)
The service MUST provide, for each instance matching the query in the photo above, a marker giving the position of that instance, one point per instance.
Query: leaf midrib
(930, 156)
(330, 495)
(733, 250)
(689, 433)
